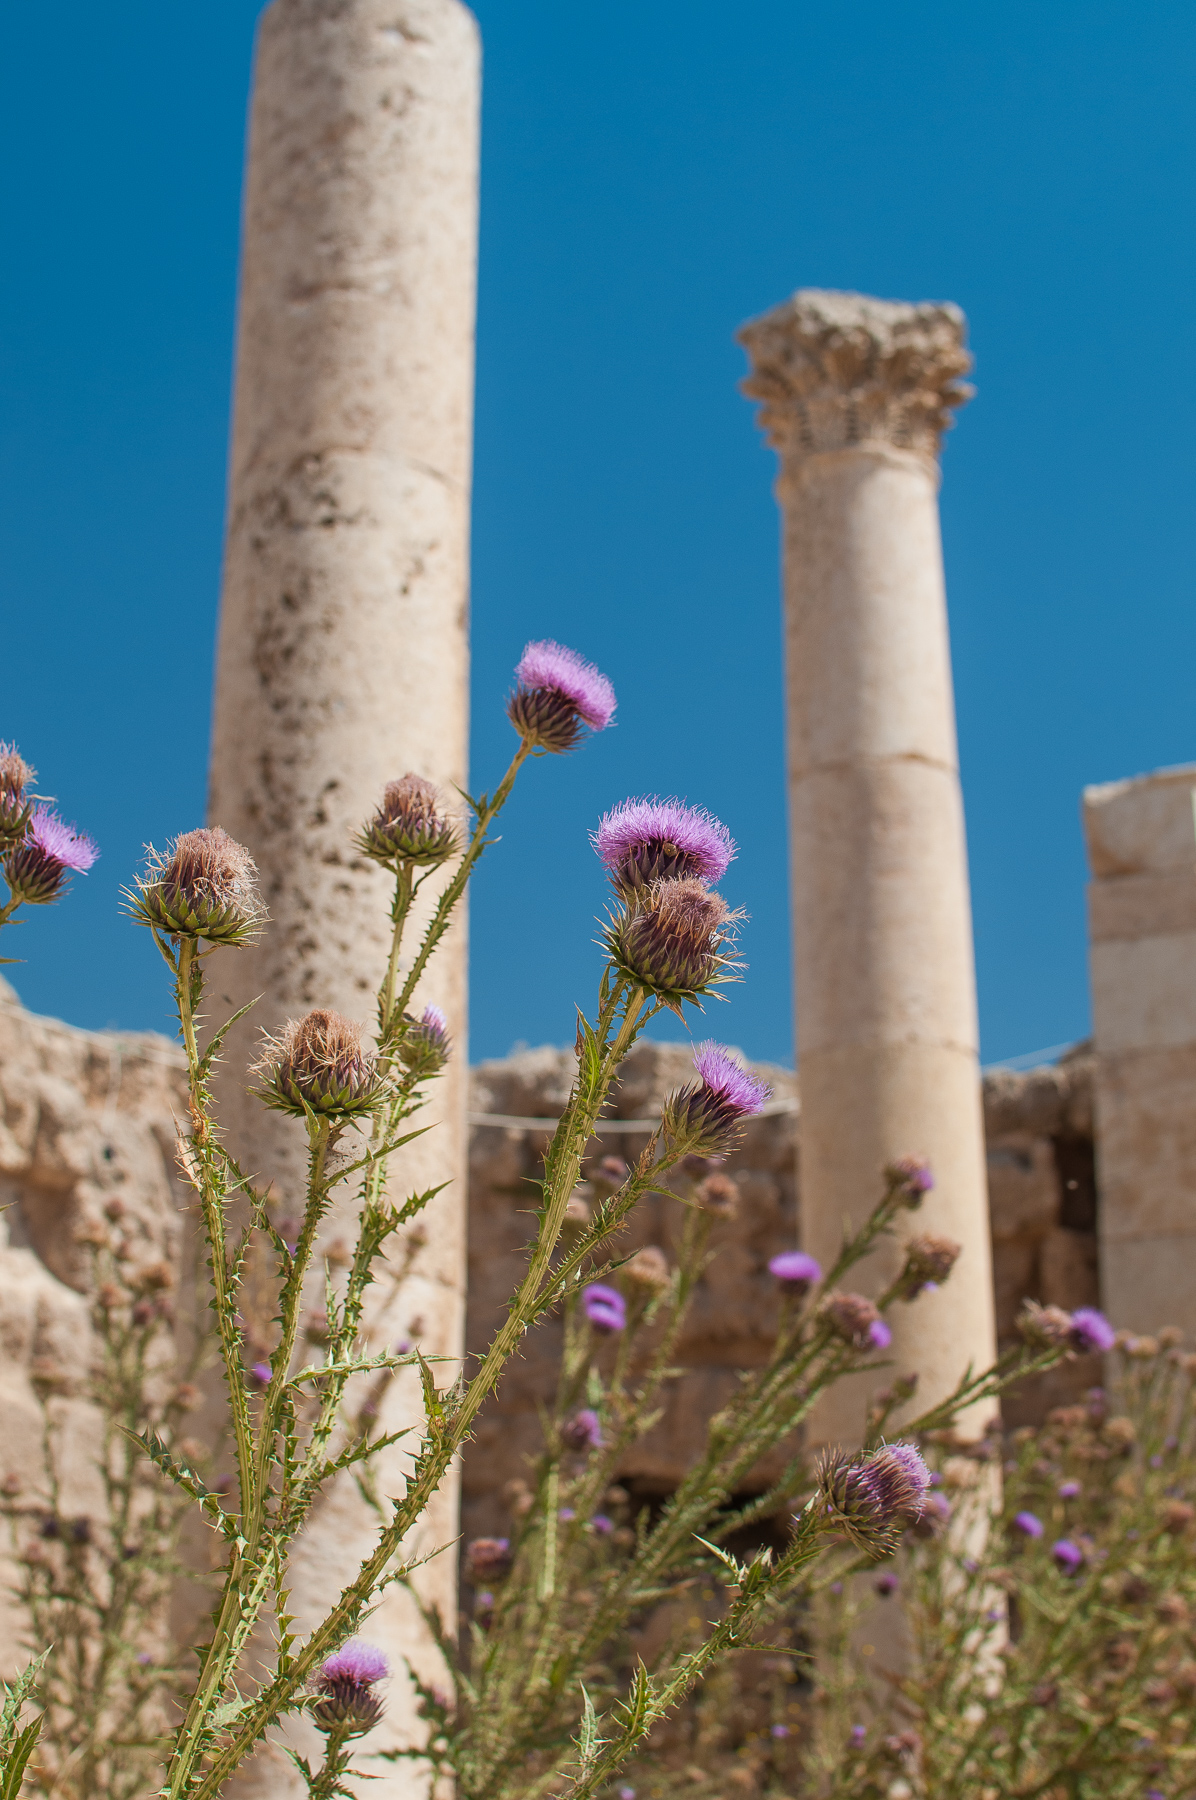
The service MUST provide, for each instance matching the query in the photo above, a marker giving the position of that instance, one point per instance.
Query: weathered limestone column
(1142, 919)
(856, 395)
(343, 655)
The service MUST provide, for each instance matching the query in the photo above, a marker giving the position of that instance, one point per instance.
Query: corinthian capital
(835, 370)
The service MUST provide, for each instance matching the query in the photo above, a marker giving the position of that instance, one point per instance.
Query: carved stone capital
(837, 370)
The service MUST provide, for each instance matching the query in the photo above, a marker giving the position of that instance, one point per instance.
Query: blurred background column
(856, 394)
(343, 654)
(1142, 917)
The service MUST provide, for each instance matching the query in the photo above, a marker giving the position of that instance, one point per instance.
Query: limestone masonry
(85, 1116)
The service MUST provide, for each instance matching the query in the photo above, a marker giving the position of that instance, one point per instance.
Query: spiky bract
(15, 807)
(409, 827)
(319, 1065)
(203, 886)
(873, 1498)
(672, 939)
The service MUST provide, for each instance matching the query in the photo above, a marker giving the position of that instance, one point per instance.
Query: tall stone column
(343, 652)
(856, 394)
(1142, 919)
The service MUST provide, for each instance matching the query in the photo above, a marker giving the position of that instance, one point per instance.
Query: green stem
(401, 906)
(326, 1780)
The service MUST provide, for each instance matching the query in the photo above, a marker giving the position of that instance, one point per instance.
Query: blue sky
(653, 174)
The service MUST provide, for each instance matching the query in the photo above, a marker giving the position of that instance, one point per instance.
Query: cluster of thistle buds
(873, 1498)
(343, 1699)
(39, 851)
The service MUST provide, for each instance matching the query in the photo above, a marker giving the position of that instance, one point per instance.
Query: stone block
(1146, 1145)
(1144, 992)
(1145, 824)
(1069, 1275)
(1150, 1281)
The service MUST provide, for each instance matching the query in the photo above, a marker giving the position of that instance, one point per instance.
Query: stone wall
(1043, 1197)
(87, 1139)
(87, 1130)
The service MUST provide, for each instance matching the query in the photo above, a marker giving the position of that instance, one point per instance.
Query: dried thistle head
(672, 940)
(15, 808)
(928, 1261)
(204, 886)
(648, 1270)
(318, 1064)
(409, 827)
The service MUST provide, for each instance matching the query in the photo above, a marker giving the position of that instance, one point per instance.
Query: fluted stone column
(343, 654)
(856, 393)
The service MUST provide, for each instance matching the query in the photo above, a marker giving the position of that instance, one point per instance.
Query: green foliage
(18, 1738)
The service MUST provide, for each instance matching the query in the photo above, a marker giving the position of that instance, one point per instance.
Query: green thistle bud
(205, 886)
(318, 1065)
(409, 828)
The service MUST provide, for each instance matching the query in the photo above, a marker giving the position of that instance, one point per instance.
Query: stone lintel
(837, 370)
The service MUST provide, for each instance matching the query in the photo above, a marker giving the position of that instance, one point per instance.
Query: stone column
(343, 653)
(856, 395)
(1142, 919)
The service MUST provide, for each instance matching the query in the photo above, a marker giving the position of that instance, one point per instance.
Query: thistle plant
(38, 850)
(553, 1697)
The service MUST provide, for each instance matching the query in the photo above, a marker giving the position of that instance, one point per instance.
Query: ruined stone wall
(87, 1131)
(87, 1139)
(1043, 1198)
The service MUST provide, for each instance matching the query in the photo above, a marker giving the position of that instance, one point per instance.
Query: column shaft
(855, 394)
(343, 653)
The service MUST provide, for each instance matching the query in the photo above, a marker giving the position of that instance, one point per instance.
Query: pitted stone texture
(835, 370)
(343, 653)
(85, 1119)
(1141, 838)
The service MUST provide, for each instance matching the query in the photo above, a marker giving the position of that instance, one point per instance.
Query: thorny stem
(326, 1780)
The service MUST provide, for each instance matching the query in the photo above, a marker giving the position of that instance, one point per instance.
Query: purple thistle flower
(344, 1687)
(566, 1515)
(1091, 1332)
(584, 1430)
(794, 1269)
(779, 1731)
(626, 1793)
(874, 1497)
(858, 1735)
(558, 692)
(707, 1117)
(602, 1525)
(605, 1307)
(886, 1586)
(879, 1335)
(489, 1558)
(37, 866)
(261, 1373)
(644, 841)
(1069, 1490)
(1029, 1524)
(1069, 1556)
(424, 1046)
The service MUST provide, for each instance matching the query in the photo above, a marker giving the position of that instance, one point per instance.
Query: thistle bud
(489, 1559)
(928, 1261)
(37, 867)
(644, 841)
(583, 1431)
(708, 1116)
(424, 1045)
(912, 1176)
(1044, 1327)
(857, 1321)
(671, 940)
(648, 1270)
(15, 809)
(558, 693)
(717, 1193)
(205, 886)
(344, 1687)
(319, 1065)
(605, 1308)
(873, 1498)
(408, 827)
